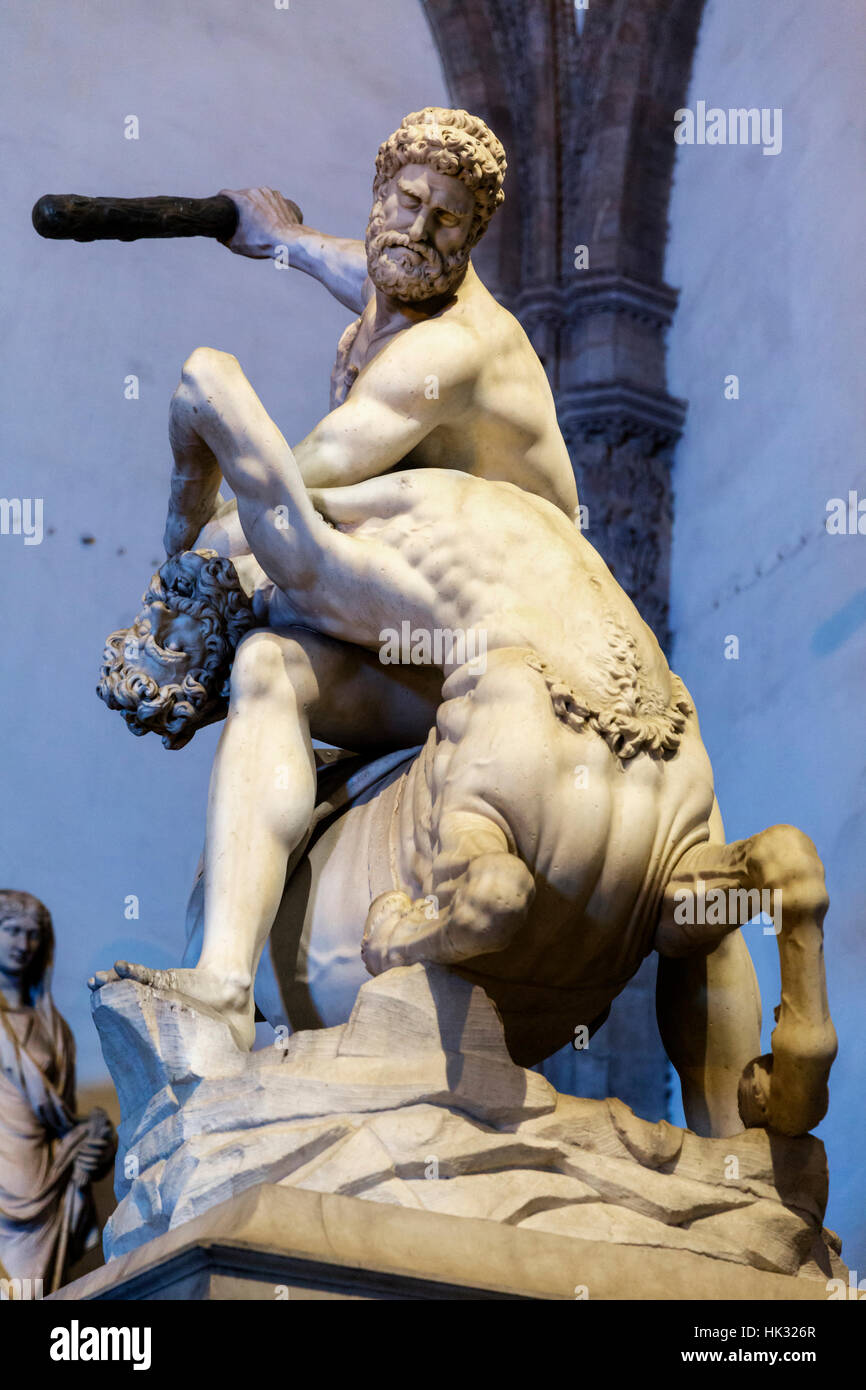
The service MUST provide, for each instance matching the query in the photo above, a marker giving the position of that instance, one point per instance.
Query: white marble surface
(416, 1103)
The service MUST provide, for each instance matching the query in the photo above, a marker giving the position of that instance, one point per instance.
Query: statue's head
(26, 939)
(169, 672)
(438, 183)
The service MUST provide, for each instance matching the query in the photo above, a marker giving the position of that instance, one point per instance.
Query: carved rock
(416, 1102)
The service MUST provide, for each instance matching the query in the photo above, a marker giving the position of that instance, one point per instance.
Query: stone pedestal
(405, 1154)
(274, 1243)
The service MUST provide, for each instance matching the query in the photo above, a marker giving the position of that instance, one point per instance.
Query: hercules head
(438, 183)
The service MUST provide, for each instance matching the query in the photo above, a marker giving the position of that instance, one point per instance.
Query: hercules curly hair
(452, 142)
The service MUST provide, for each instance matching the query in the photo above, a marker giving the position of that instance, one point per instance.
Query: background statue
(49, 1157)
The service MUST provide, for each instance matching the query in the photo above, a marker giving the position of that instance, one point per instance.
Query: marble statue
(563, 799)
(49, 1156)
(538, 807)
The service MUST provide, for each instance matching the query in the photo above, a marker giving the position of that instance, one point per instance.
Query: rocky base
(276, 1243)
(416, 1103)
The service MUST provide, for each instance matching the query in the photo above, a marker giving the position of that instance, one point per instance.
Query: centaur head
(169, 672)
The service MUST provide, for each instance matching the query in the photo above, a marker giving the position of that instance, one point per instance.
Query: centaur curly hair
(452, 142)
(206, 587)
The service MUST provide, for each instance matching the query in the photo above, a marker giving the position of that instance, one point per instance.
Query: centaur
(559, 809)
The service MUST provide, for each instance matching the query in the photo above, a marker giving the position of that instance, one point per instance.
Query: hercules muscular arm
(266, 221)
(392, 407)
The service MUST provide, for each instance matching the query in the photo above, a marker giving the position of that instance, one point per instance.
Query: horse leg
(785, 1091)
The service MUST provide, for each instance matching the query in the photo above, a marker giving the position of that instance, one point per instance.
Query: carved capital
(618, 411)
(594, 292)
(623, 464)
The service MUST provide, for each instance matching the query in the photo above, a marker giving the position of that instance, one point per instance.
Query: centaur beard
(434, 275)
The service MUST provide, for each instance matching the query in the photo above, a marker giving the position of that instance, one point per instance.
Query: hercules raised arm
(434, 372)
(268, 222)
